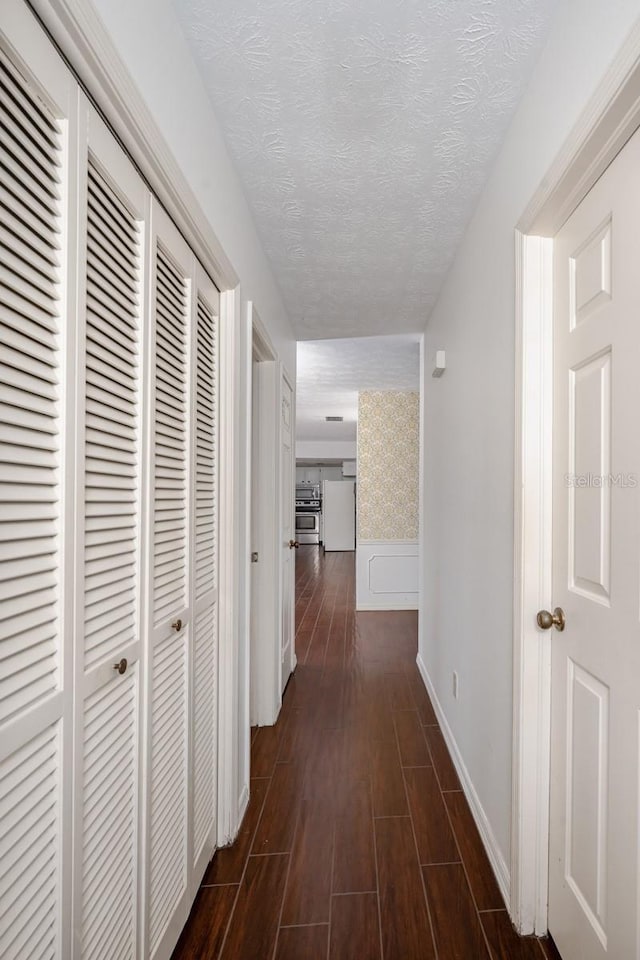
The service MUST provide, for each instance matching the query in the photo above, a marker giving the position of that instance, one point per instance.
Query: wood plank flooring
(358, 843)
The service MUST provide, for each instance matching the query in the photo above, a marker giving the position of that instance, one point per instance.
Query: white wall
(326, 450)
(469, 415)
(150, 41)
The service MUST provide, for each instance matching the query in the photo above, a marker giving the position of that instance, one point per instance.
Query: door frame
(611, 116)
(264, 691)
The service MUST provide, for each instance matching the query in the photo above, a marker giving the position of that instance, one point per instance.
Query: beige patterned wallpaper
(388, 437)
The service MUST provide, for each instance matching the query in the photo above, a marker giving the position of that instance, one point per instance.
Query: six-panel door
(594, 852)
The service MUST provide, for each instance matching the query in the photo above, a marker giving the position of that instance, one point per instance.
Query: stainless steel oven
(307, 521)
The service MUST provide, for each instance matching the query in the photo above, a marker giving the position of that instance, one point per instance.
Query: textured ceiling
(363, 133)
(331, 372)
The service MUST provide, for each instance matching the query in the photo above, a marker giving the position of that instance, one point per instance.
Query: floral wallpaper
(388, 441)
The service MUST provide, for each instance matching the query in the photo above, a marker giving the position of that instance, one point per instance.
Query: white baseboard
(496, 858)
(243, 803)
(387, 575)
(387, 605)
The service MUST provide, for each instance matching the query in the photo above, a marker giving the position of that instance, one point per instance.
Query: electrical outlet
(455, 685)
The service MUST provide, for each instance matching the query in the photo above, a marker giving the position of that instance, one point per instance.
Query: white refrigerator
(339, 514)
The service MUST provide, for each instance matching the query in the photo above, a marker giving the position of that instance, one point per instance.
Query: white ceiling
(332, 372)
(363, 133)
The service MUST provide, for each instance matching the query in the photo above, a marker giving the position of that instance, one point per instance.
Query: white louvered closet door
(204, 585)
(37, 126)
(108, 659)
(169, 575)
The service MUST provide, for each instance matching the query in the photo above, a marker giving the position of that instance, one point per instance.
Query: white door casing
(255, 511)
(593, 894)
(609, 119)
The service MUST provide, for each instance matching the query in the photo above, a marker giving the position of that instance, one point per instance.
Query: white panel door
(37, 213)
(594, 850)
(287, 514)
(108, 630)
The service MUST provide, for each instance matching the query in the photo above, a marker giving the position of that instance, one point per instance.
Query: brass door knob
(293, 544)
(121, 666)
(547, 620)
(177, 625)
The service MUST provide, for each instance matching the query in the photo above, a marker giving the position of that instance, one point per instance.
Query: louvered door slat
(29, 111)
(44, 242)
(29, 792)
(170, 472)
(168, 785)
(112, 377)
(204, 462)
(205, 449)
(111, 218)
(109, 819)
(37, 140)
(107, 260)
(107, 321)
(40, 197)
(28, 271)
(204, 734)
(29, 375)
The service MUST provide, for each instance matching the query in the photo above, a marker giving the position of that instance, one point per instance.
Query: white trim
(243, 534)
(532, 584)
(228, 564)
(604, 126)
(610, 118)
(365, 606)
(243, 802)
(85, 42)
(386, 589)
(392, 543)
(262, 345)
(496, 859)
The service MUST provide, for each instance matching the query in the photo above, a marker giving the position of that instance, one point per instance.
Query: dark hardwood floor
(358, 843)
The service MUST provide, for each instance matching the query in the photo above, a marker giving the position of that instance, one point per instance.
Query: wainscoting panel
(387, 575)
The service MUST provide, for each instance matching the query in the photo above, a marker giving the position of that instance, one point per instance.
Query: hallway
(358, 843)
